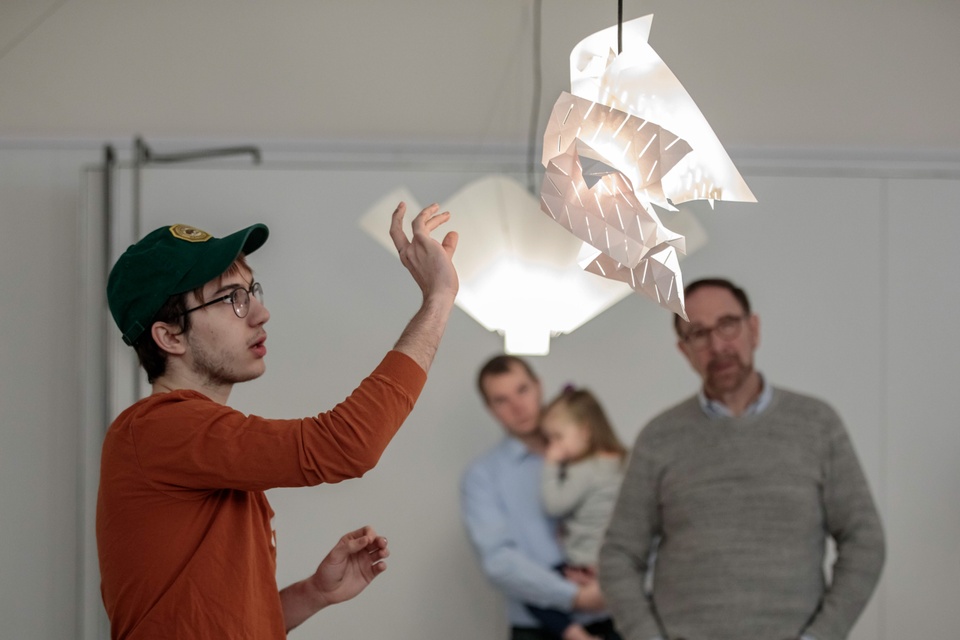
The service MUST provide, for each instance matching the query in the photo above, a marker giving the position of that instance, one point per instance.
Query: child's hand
(580, 575)
(554, 453)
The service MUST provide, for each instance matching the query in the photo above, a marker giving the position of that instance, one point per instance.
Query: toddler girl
(581, 479)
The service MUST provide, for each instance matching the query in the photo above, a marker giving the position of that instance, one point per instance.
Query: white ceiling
(862, 75)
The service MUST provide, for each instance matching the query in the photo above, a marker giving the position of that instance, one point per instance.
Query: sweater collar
(715, 409)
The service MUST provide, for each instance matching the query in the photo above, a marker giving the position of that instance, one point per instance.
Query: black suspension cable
(535, 107)
(619, 27)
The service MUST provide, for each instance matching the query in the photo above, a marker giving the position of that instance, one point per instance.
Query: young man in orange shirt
(184, 531)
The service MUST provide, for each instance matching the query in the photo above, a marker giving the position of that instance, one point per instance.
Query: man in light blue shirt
(500, 502)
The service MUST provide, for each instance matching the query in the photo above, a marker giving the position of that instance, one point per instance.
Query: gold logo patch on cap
(190, 234)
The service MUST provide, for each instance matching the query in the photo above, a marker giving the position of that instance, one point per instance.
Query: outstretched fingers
(366, 541)
(428, 219)
(423, 224)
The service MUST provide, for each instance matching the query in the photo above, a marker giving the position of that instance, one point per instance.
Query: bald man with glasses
(729, 499)
(184, 530)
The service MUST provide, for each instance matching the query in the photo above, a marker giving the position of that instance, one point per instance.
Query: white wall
(833, 268)
(858, 273)
(921, 405)
(40, 409)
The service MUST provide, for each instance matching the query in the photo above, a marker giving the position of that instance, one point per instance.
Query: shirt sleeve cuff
(404, 370)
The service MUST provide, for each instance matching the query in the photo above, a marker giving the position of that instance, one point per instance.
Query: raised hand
(431, 265)
(428, 261)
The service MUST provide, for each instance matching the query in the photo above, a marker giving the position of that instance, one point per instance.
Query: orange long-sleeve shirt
(183, 527)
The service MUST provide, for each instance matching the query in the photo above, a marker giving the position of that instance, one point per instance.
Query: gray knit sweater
(741, 508)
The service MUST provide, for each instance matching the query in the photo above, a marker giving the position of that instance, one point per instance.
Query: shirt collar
(515, 448)
(716, 409)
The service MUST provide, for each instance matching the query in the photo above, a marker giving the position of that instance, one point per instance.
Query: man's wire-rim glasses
(727, 327)
(239, 298)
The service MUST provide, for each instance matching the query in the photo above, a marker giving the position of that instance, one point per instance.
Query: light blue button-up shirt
(716, 409)
(514, 539)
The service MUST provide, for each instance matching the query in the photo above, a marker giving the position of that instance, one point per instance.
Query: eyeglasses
(727, 327)
(239, 298)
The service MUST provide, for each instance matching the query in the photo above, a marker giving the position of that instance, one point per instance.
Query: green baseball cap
(167, 262)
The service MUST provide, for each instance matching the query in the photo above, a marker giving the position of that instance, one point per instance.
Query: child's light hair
(584, 409)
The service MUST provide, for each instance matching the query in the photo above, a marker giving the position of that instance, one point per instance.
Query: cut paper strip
(656, 276)
(639, 149)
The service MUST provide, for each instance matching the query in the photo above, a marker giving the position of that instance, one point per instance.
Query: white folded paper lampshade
(637, 81)
(518, 271)
(630, 137)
